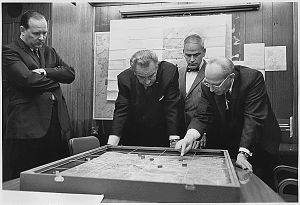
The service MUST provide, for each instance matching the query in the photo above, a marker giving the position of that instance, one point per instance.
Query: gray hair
(143, 58)
(194, 38)
(225, 63)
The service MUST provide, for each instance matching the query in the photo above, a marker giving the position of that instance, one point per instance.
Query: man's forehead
(147, 70)
(37, 23)
(193, 46)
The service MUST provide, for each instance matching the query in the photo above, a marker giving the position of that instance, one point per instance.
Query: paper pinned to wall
(165, 37)
(254, 55)
(275, 58)
(102, 109)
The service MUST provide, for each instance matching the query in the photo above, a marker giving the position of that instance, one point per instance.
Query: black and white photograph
(149, 102)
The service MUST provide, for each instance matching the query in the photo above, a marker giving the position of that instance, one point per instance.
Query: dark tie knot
(192, 69)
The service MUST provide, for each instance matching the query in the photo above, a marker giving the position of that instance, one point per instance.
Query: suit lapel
(198, 79)
(28, 51)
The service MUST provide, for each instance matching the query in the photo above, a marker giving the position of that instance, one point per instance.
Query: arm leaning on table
(120, 113)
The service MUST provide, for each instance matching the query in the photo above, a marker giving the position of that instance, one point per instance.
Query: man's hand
(40, 71)
(113, 140)
(185, 144)
(242, 162)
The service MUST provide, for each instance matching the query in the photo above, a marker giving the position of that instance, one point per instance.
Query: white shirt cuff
(243, 149)
(113, 140)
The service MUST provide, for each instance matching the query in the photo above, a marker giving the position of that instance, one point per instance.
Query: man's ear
(22, 30)
(204, 50)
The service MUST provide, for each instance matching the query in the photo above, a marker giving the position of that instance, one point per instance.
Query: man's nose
(192, 58)
(42, 36)
(147, 81)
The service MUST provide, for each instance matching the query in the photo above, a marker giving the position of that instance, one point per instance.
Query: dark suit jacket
(30, 104)
(251, 123)
(147, 117)
(191, 99)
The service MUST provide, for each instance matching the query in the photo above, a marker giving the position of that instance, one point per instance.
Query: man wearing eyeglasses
(148, 104)
(234, 99)
(190, 78)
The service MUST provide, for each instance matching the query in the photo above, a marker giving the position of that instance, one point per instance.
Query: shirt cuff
(113, 140)
(194, 133)
(243, 149)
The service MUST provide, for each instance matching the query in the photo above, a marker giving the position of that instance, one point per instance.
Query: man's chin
(218, 93)
(192, 67)
(39, 45)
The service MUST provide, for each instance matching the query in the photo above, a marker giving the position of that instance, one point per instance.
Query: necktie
(227, 100)
(36, 53)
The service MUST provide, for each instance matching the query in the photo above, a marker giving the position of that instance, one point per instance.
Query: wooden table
(252, 189)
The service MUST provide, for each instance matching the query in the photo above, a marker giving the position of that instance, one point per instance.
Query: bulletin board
(112, 50)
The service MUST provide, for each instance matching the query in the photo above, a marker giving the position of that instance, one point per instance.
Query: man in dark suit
(147, 107)
(234, 99)
(38, 124)
(190, 77)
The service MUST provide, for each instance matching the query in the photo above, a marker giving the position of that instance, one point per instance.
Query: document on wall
(254, 55)
(275, 58)
(165, 37)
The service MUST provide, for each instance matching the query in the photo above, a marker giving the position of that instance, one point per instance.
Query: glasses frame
(216, 87)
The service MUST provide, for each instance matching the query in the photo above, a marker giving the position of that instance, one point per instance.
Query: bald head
(219, 74)
(218, 69)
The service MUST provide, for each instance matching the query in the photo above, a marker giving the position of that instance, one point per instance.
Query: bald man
(235, 102)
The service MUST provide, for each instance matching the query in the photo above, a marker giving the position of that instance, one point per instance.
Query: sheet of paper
(165, 37)
(112, 95)
(254, 55)
(47, 198)
(112, 85)
(275, 58)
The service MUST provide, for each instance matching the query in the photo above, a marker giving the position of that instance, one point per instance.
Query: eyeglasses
(194, 55)
(144, 78)
(215, 87)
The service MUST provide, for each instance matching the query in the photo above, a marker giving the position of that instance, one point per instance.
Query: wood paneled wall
(272, 24)
(72, 37)
(72, 31)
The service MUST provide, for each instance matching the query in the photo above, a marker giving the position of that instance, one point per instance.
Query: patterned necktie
(36, 53)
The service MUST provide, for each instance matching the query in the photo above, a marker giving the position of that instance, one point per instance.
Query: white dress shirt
(190, 78)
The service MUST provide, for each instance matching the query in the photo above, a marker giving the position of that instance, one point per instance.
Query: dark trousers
(24, 154)
(263, 164)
